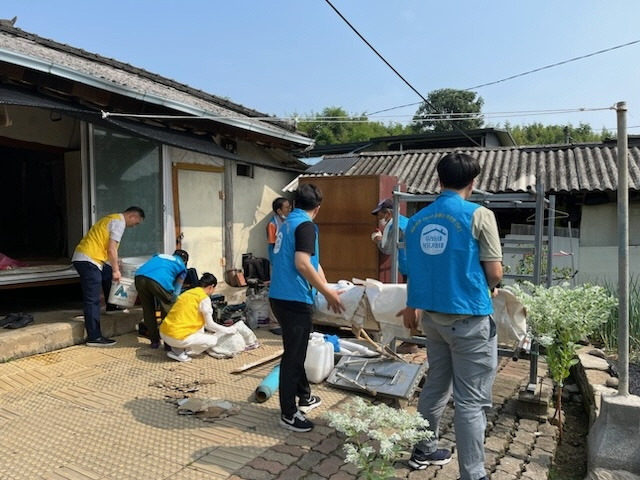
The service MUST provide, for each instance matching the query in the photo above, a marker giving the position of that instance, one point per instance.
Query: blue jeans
(92, 279)
(463, 358)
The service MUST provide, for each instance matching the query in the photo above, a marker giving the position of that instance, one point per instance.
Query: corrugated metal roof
(563, 168)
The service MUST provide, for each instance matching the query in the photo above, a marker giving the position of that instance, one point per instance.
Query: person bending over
(189, 328)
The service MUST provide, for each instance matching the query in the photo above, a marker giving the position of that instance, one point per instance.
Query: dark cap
(386, 203)
(183, 255)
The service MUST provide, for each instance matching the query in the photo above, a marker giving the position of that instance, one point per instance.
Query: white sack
(350, 298)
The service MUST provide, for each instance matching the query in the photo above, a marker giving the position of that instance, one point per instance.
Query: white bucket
(123, 293)
(129, 266)
(319, 361)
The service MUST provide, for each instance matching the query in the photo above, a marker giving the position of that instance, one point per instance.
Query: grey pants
(462, 359)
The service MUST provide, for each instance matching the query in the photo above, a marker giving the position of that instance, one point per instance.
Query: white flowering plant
(377, 435)
(559, 317)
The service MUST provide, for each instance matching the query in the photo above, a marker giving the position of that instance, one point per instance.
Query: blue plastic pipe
(269, 385)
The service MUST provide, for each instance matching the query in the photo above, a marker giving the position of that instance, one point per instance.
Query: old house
(82, 135)
(583, 179)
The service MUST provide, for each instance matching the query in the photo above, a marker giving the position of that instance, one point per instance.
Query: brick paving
(90, 414)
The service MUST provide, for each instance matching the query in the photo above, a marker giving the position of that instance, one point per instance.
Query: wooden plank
(262, 361)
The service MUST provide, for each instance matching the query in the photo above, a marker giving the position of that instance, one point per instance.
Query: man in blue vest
(296, 278)
(454, 261)
(160, 280)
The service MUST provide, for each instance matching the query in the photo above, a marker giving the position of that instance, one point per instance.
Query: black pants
(148, 292)
(295, 320)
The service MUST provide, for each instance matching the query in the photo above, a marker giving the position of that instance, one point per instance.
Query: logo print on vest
(433, 239)
(278, 244)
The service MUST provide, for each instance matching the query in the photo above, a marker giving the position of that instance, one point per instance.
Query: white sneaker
(182, 357)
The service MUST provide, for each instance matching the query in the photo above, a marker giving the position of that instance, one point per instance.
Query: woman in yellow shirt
(187, 325)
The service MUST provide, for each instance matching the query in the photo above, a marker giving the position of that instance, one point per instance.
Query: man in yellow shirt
(97, 247)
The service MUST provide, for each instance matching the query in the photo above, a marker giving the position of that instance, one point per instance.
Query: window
(244, 170)
(127, 172)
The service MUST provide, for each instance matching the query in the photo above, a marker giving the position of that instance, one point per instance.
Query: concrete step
(53, 330)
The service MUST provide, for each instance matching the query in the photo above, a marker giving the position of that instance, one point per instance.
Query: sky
(293, 58)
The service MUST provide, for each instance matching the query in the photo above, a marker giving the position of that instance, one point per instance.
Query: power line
(525, 73)
(360, 118)
(394, 70)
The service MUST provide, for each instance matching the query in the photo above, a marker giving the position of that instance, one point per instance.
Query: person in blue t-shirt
(160, 279)
(454, 261)
(296, 277)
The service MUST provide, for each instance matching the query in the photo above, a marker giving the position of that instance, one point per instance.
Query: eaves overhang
(67, 73)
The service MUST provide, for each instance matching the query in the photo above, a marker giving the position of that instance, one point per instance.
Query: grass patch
(607, 333)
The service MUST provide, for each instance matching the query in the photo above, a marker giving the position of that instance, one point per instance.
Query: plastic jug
(319, 361)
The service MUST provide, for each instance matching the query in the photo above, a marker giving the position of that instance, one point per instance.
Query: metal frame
(496, 201)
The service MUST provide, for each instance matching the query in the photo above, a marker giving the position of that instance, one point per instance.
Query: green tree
(450, 102)
(334, 125)
(538, 134)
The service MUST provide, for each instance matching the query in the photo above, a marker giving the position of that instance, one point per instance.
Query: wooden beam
(257, 363)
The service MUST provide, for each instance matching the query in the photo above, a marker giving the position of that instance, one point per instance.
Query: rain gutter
(90, 80)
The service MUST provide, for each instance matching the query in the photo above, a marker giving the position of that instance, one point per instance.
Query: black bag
(191, 280)
(256, 267)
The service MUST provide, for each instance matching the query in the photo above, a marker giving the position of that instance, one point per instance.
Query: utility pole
(623, 251)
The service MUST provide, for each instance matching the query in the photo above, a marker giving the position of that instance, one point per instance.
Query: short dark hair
(278, 203)
(308, 197)
(207, 279)
(457, 170)
(135, 209)
(183, 255)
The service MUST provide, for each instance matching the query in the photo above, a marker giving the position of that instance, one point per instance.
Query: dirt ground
(571, 455)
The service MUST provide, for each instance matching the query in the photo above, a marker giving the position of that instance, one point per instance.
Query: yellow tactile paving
(87, 397)
(224, 461)
(112, 413)
(9, 368)
(189, 473)
(71, 472)
(93, 357)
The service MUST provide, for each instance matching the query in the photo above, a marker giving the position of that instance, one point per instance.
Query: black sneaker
(307, 404)
(12, 317)
(101, 342)
(22, 321)
(297, 423)
(420, 460)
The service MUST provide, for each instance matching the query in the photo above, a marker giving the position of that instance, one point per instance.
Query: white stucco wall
(599, 225)
(252, 198)
(599, 243)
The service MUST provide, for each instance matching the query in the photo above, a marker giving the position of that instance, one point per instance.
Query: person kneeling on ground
(185, 327)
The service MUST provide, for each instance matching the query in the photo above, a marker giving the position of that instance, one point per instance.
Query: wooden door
(345, 224)
(199, 219)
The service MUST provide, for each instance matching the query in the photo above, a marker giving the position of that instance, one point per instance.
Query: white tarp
(385, 300)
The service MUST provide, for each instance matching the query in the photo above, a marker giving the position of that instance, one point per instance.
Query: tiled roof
(129, 77)
(563, 168)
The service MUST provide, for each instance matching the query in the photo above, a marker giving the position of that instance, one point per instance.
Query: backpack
(256, 267)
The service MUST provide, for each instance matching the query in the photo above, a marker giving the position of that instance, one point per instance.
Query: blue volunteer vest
(164, 269)
(443, 259)
(286, 281)
(402, 253)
